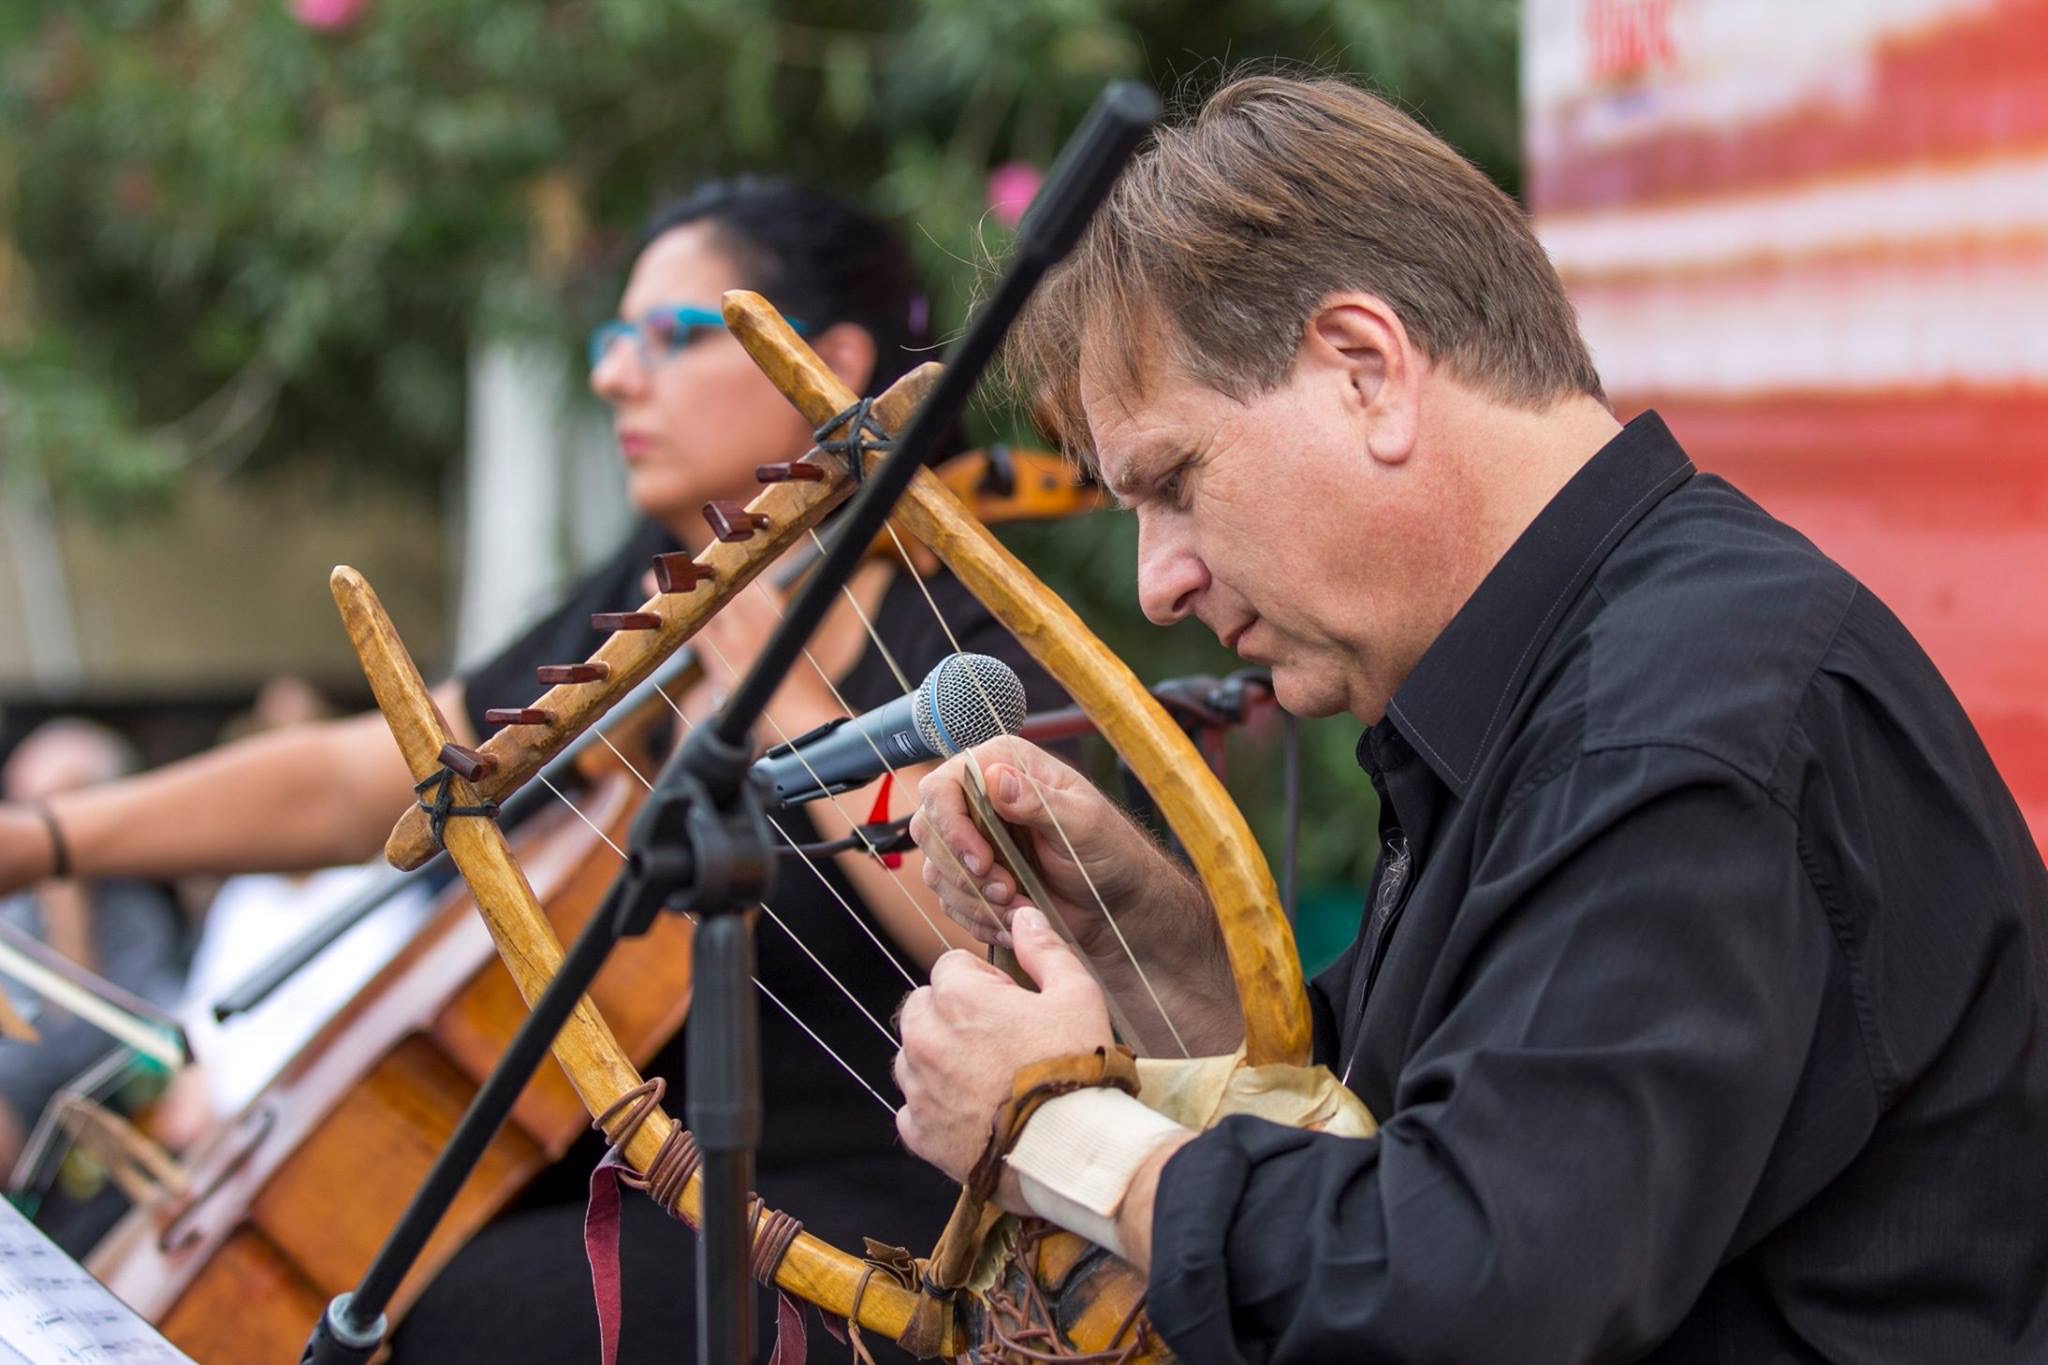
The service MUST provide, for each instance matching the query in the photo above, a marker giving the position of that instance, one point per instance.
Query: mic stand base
(337, 1341)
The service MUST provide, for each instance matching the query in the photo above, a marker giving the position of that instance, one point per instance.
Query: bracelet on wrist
(60, 851)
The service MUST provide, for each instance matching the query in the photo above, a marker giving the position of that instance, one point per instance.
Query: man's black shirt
(1700, 991)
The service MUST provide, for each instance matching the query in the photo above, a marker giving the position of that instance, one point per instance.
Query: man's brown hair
(1232, 228)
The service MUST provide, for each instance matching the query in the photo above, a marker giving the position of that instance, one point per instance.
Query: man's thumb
(1016, 799)
(1040, 951)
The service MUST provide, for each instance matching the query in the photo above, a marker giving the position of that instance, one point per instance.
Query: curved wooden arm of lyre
(1256, 935)
(792, 508)
(592, 1058)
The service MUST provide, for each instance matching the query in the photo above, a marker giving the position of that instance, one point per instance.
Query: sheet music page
(53, 1313)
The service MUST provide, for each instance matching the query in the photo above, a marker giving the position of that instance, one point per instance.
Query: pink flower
(1011, 188)
(328, 16)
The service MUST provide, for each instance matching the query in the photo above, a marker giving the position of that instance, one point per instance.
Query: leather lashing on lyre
(1033, 1087)
(437, 798)
(673, 1165)
(1024, 1325)
(770, 1231)
(864, 435)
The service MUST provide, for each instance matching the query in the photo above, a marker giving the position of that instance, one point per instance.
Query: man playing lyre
(1700, 990)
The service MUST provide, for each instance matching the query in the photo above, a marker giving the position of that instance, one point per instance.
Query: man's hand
(966, 1035)
(1052, 804)
(1172, 982)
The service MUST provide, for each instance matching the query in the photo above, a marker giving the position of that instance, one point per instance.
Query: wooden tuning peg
(626, 620)
(519, 715)
(677, 572)
(730, 521)
(801, 471)
(556, 674)
(466, 763)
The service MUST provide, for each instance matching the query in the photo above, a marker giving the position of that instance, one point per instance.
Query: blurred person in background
(128, 930)
(694, 417)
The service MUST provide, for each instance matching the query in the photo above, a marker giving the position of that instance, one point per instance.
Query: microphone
(966, 700)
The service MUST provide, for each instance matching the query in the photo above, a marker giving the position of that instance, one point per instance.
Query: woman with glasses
(693, 418)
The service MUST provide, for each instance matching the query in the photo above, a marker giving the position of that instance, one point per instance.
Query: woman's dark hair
(815, 257)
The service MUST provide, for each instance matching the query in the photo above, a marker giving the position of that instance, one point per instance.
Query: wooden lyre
(930, 1309)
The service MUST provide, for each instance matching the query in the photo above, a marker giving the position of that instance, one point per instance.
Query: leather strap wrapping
(1033, 1086)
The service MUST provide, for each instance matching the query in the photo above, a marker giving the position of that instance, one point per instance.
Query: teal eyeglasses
(660, 333)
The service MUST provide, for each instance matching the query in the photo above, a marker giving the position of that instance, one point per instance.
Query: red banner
(1816, 238)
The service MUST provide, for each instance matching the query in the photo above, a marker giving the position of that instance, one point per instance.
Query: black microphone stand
(701, 843)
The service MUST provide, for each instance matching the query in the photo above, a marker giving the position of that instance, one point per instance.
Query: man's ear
(1358, 339)
(849, 351)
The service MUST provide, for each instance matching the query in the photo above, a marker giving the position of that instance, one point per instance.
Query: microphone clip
(702, 844)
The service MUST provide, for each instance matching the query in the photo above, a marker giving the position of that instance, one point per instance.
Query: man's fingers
(1014, 798)
(942, 819)
(942, 871)
(961, 968)
(969, 915)
(906, 1129)
(1021, 778)
(914, 1007)
(1043, 954)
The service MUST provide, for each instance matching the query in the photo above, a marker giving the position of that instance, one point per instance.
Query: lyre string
(1073, 857)
(865, 927)
(800, 852)
(578, 811)
(902, 678)
(903, 681)
(688, 724)
(859, 832)
(889, 1037)
(887, 1107)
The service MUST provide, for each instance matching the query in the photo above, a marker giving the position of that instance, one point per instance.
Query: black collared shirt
(1701, 991)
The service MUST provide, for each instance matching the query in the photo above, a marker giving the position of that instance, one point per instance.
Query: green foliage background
(231, 242)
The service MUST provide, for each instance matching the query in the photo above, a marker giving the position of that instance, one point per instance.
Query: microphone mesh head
(967, 700)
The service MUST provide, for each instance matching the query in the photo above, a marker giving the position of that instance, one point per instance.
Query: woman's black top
(829, 1153)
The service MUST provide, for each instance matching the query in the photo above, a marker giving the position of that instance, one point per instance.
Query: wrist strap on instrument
(974, 1215)
(1076, 1158)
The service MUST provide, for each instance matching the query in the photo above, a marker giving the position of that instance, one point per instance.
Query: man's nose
(1171, 575)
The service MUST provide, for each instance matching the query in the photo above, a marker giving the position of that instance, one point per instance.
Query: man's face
(1272, 522)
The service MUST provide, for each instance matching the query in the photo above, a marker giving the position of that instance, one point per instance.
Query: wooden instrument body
(293, 1197)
